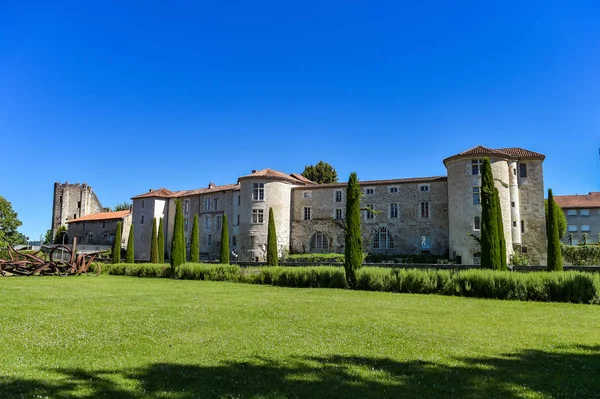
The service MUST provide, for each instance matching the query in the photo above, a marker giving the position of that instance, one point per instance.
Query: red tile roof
(513, 152)
(273, 174)
(160, 193)
(591, 200)
(211, 189)
(101, 216)
(302, 178)
(517, 152)
(382, 182)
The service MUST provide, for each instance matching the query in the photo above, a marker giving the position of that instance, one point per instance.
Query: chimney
(150, 190)
(211, 185)
(253, 171)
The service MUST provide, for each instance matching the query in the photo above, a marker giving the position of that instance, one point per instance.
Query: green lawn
(123, 337)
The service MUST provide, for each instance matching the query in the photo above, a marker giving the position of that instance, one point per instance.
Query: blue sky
(128, 97)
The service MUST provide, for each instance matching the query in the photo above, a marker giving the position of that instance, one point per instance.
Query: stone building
(583, 217)
(429, 215)
(72, 201)
(100, 228)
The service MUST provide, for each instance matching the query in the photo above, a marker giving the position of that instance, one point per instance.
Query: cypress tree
(154, 244)
(225, 241)
(160, 238)
(116, 255)
(503, 265)
(554, 255)
(353, 251)
(272, 257)
(195, 244)
(490, 241)
(129, 256)
(178, 242)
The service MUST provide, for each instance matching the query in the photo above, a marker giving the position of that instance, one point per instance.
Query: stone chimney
(212, 185)
(253, 171)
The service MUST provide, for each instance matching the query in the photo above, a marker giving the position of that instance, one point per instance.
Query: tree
(116, 252)
(9, 223)
(129, 255)
(490, 240)
(160, 237)
(61, 235)
(560, 217)
(195, 245)
(122, 207)
(554, 254)
(272, 256)
(154, 243)
(353, 250)
(320, 173)
(178, 242)
(48, 237)
(225, 241)
(503, 265)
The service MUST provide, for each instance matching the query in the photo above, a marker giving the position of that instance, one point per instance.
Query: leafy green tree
(353, 251)
(554, 254)
(61, 235)
(195, 244)
(160, 237)
(503, 265)
(116, 252)
(490, 240)
(320, 173)
(48, 237)
(121, 207)
(224, 259)
(178, 242)
(129, 255)
(154, 243)
(9, 223)
(560, 217)
(272, 256)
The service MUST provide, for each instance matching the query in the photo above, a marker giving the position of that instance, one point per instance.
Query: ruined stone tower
(71, 201)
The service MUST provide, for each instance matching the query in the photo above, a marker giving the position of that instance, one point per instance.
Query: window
(105, 236)
(207, 222)
(218, 222)
(338, 195)
(307, 194)
(79, 204)
(585, 227)
(476, 196)
(572, 212)
(258, 191)
(306, 213)
(74, 216)
(142, 219)
(143, 204)
(209, 239)
(338, 213)
(369, 191)
(186, 206)
(523, 249)
(239, 199)
(90, 238)
(186, 223)
(424, 188)
(216, 202)
(425, 209)
(238, 220)
(257, 216)
(104, 224)
(476, 166)
(206, 204)
(514, 223)
(382, 239)
(477, 223)
(584, 212)
(393, 190)
(393, 211)
(522, 226)
(572, 228)
(85, 224)
(369, 212)
(522, 170)
(234, 241)
(425, 243)
(318, 242)
(512, 204)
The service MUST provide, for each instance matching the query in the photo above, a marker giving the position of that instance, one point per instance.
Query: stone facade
(431, 215)
(583, 217)
(100, 228)
(71, 201)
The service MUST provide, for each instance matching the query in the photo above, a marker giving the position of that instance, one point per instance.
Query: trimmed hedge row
(581, 255)
(577, 287)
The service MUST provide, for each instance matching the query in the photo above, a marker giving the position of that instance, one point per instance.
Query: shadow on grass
(564, 373)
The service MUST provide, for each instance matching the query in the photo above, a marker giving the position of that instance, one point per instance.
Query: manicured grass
(136, 338)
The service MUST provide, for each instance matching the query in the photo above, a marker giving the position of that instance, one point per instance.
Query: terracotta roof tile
(591, 200)
(160, 193)
(272, 174)
(517, 152)
(383, 182)
(513, 152)
(302, 178)
(101, 216)
(208, 190)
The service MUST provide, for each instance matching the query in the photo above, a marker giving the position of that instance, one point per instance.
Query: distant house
(583, 216)
(100, 228)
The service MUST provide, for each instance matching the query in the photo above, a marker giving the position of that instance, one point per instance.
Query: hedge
(581, 255)
(576, 287)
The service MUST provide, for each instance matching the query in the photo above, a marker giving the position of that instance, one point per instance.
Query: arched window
(382, 239)
(319, 242)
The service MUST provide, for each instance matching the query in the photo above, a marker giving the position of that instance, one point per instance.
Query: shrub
(581, 255)
(129, 255)
(316, 258)
(154, 243)
(160, 238)
(224, 258)
(178, 242)
(195, 241)
(353, 255)
(554, 256)
(116, 252)
(272, 255)
(200, 271)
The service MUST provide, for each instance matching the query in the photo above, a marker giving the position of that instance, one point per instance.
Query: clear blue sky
(177, 94)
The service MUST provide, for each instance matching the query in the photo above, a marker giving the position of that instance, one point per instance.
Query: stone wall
(99, 232)
(531, 190)
(71, 201)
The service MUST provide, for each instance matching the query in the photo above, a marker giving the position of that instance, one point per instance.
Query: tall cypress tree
(178, 242)
(160, 238)
(353, 251)
(116, 255)
(490, 242)
(225, 241)
(503, 265)
(129, 255)
(154, 243)
(272, 256)
(554, 254)
(195, 244)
